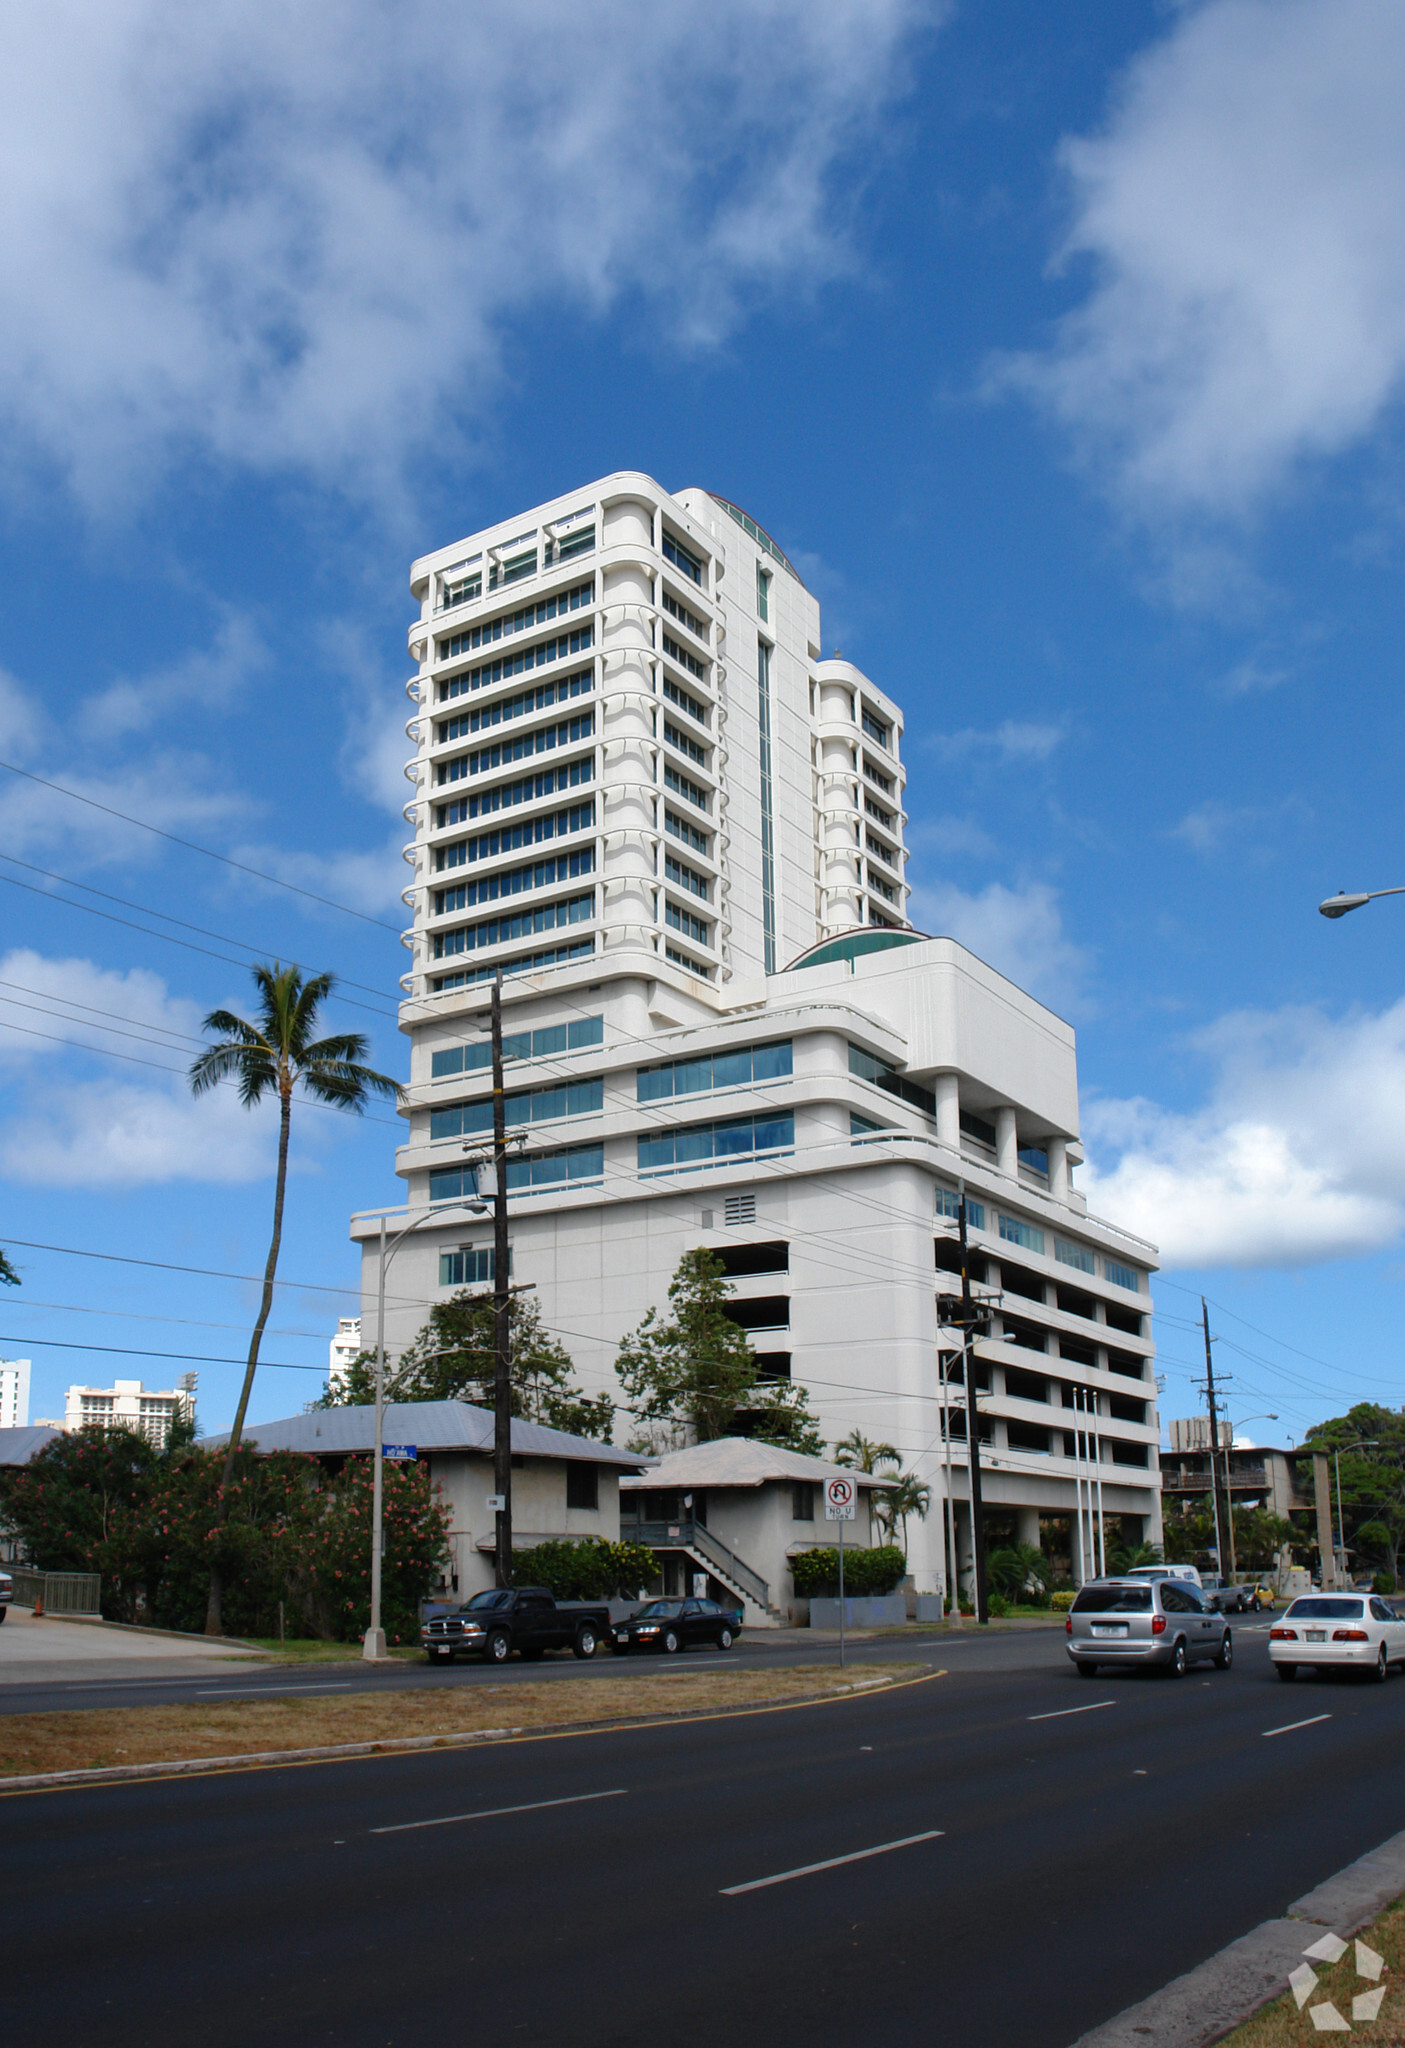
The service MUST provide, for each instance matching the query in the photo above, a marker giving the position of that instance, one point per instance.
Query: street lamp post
(1364, 1443)
(1342, 902)
(373, 1647)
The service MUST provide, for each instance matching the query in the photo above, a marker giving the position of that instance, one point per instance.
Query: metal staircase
(697, 1541)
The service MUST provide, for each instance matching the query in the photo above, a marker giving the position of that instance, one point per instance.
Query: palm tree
(856, 1451)
(8, 1276)
(270, 1057)
(905, 1496)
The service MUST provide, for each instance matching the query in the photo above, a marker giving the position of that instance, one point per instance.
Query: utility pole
(502, 1312)
(973, 1429)
(1223, 1541)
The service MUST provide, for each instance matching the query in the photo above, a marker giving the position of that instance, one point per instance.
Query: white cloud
(1017, 931)
(1241, 215)
(1297, 1156)
(1014, 739)
(206, 678)
(298, 237)
(60, 1128)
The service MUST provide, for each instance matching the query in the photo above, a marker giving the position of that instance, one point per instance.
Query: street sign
(840, 1498)
(497, 1503)
(400, 1454)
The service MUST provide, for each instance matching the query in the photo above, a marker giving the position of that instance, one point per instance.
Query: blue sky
(1061, 347)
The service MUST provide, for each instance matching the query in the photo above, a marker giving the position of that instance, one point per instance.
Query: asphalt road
(143, 1688)
(1067, 1848)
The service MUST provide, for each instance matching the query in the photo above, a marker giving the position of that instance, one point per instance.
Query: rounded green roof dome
(849, 946)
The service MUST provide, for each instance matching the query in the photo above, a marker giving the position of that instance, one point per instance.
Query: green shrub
(866, 1572)
(591, 1569)
(998, 1605)
(1063, 1599)
(1383, 1584)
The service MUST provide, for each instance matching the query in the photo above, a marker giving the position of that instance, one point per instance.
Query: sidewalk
(72, 1649)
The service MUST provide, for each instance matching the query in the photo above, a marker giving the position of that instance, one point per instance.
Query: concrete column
(1027, 1526)
(1058, 1169)
(948, 1093)
(1006, 1143)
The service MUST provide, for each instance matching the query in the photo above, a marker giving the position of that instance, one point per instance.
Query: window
(1025, 1234)
(1122, 1276)
(868, 1068)
(521, 706)
(874, 727)
(768, 860)
(527, 1106)
(684, 616)
(861, 1126)
(560, 606)
(682, 786)
(883, 852)
(520, 1045)
(885, 889)
(681, 920)
(885, 782)
(763, 593)
(534, 832)
(685, 660)
(686, 877)
(513, 881)
(977, 1128)
(684, 744)
(679, 828)
(703, 972)
(884, 818)
(742, 1066)
(544, 740)
(719, 1143)
(675, 552)
(525, 1172)
(539, 656)
(741, 1260)
(469, 1266)
(497, 931)
(461, 584)
(1075, 1255)
(802, 1501)
(582, 1486)
(1036, 1158)
(507, 794)
(513, 569)
(758, 533)
(522, 963)
(684, 701)
(569, 545)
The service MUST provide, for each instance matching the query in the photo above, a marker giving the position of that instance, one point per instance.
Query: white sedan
(1344, 1631)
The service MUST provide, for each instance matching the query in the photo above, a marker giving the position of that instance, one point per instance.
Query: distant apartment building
(14, 1393)
(128, 1404)
(643, 791)
(343, 1349)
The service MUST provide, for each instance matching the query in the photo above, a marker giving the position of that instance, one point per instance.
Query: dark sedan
(672, 1625)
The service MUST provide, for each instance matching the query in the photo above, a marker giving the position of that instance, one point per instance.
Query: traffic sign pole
(840, 1495)
(841, 1595)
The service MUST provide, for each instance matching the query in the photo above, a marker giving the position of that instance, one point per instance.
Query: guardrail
(695, 1536)
(61, 1592)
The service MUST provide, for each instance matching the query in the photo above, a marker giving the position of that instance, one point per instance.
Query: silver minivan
(1165, 1622)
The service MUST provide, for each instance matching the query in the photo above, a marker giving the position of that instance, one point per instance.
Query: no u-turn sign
(840, 1496)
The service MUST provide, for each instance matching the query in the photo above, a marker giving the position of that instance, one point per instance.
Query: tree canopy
(692, 1375)
(453, 1359)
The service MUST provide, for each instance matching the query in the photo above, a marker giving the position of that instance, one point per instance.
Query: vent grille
(739, 1208)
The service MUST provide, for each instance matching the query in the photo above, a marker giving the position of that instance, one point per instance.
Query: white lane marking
(1091, 1708)
(1289, 1726)
(756, 1884)
(494, 1812)
(210, 1692)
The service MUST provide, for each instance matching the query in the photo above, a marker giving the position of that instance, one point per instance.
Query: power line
(135, 1351)
(328, 902)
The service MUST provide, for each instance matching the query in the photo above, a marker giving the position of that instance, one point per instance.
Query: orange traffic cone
(38, 1614)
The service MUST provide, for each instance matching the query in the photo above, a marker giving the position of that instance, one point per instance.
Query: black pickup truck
(522, 1618)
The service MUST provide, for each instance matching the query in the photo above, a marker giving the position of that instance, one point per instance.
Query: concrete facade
(128, 1404)
(794, 1079)
(14, 1393)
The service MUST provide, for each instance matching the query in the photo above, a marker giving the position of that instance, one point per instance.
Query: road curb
(392, 1745)
(1211, 2001)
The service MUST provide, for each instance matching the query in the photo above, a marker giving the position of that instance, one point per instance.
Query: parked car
(7, 1592)
(1167, 1623)
(1234, 1599)
(1149, 1572)
(1337, 1631)
(523, 1618)
(672, 1625)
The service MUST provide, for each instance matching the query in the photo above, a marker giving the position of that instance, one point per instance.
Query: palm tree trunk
(213, 1617)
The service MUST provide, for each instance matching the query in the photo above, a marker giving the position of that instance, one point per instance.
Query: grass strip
(112, 1737)
(1282, 2025)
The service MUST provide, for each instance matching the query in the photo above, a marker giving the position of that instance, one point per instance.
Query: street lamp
(1341, 903)
(373, 1648)
(1364, 1443)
